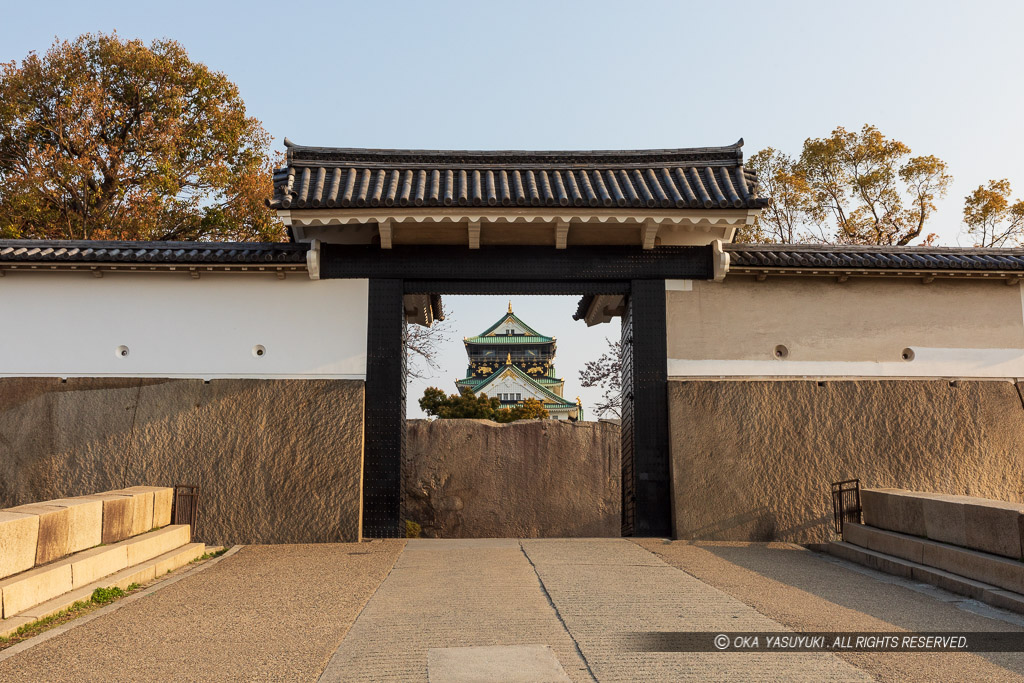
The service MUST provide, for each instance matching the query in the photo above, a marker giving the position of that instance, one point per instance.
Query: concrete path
(577, 596)
(447, 594)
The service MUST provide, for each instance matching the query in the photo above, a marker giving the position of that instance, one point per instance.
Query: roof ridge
(873, 249)
(369, 155)
(505, 317)
(147, 244)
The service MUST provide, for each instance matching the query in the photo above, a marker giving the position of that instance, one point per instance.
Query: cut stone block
(8, 627)
(163, 499)
(125, 578)
(944, 519)
(892, 543)
(155, 543)
(168, 562)
(1005, 600)
(872, 559)
(91, 565)
(19, 534)
(117, 516)
(54, 530)
(142, 509)
(951, 582)
(86, 529)
(35, 586)
(895, 510)
(993, 526)
(58, 604)
(971, 564)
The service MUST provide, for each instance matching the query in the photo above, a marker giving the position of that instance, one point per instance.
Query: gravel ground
(266, 613)
(807, 592)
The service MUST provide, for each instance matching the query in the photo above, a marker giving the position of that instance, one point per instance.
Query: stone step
(978, 590)
(21, 591)
(999, 571)
(147, 571)
(990, 526)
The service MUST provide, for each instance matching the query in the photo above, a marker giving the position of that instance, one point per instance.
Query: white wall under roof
(64, 324)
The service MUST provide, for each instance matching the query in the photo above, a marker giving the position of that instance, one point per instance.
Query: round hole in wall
(121, 351)
(907, 354)
(781, 351)
(259, 351)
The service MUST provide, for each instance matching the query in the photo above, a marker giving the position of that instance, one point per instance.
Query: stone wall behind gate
(537, 478)
(277, 461)
(753, 460)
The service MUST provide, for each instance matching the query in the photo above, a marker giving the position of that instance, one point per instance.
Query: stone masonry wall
(277, 461)
(543, 478)
(752, 460)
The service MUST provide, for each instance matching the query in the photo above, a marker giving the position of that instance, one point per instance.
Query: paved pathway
(553, 610)
(451, 593)
(577, 596)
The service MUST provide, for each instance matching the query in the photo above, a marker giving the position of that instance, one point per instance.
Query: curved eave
(502, 341)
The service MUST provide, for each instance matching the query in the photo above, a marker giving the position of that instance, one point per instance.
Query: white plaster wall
(72, 324)
(859, 328)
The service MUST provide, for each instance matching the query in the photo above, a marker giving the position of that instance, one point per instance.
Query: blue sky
(943, 77)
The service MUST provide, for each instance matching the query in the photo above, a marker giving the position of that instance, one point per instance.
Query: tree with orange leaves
(104, 138)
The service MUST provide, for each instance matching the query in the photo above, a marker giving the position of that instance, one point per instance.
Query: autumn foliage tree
(109, 138)
(992, 218)
(849, 188)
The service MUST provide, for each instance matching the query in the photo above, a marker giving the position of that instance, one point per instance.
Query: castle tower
(513, 362)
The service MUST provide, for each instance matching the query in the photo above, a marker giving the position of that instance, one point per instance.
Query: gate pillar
(646, 472)
(384, 411)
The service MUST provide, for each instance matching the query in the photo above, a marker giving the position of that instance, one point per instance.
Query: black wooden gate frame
(637, 273)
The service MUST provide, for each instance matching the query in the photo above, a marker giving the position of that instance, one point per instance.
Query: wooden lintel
(474, 234)
(385, 233)
(561, 234)
(648, 234)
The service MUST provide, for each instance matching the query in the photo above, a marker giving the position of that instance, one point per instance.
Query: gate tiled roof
(824, 256)
(100, 251)
(704, 177)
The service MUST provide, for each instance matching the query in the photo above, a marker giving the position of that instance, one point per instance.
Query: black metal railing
(846, 503)
(185, 509)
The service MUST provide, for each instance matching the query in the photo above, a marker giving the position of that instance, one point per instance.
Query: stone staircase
(966, 545)
(56, 553)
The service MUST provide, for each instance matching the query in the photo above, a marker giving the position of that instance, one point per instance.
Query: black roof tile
(705, 177)
(810, 256)
(36, 251)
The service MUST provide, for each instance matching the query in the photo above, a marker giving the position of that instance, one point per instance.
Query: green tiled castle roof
(550, 397)
(509, 339)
